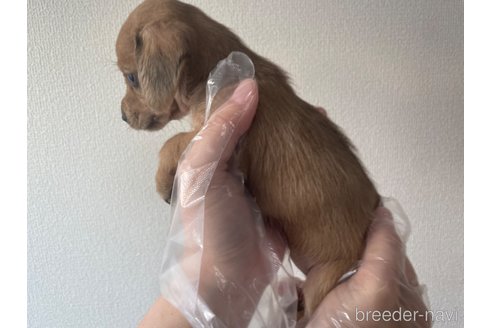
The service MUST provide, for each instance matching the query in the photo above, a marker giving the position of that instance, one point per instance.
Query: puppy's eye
(132, 79)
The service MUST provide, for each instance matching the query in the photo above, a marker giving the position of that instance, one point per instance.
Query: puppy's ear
(159, 48)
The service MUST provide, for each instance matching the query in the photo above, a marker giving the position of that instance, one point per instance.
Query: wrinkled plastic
(225, 77)
(267, 298)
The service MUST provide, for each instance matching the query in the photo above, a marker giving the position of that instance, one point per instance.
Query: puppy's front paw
(168, 162)
(164, 182)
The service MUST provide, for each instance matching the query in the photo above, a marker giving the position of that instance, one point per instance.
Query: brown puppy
(298, 165)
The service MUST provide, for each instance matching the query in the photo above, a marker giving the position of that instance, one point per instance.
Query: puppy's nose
(123, 116)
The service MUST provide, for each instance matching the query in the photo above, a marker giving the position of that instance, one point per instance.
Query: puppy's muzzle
(123, 116)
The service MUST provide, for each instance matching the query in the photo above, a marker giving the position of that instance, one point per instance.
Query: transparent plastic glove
(384, 292)
(222, 268)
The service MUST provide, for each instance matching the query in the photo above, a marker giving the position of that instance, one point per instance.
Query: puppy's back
(307, 180)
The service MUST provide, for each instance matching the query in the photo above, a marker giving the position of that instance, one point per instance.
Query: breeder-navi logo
(405, 315)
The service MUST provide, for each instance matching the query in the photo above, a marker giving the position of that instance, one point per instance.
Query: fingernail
(244, 92)
(384, 213)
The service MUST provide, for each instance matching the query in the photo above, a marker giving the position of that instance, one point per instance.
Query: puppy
(299, 166)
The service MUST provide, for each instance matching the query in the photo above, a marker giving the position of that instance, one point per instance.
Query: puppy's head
(165, 50)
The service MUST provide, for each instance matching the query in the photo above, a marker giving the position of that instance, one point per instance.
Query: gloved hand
(384, 292)
(220, 258)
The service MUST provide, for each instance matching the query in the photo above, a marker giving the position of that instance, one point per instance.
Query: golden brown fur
(298, 165)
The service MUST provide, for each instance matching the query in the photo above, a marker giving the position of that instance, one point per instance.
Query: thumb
(218, 138)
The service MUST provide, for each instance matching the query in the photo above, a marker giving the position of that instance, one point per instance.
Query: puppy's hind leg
(168, 162)
(320, 280)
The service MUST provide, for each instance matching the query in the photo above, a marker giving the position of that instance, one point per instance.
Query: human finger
(383, 258)
(218, 138)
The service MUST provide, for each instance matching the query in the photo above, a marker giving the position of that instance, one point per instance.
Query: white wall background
(389, 72)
